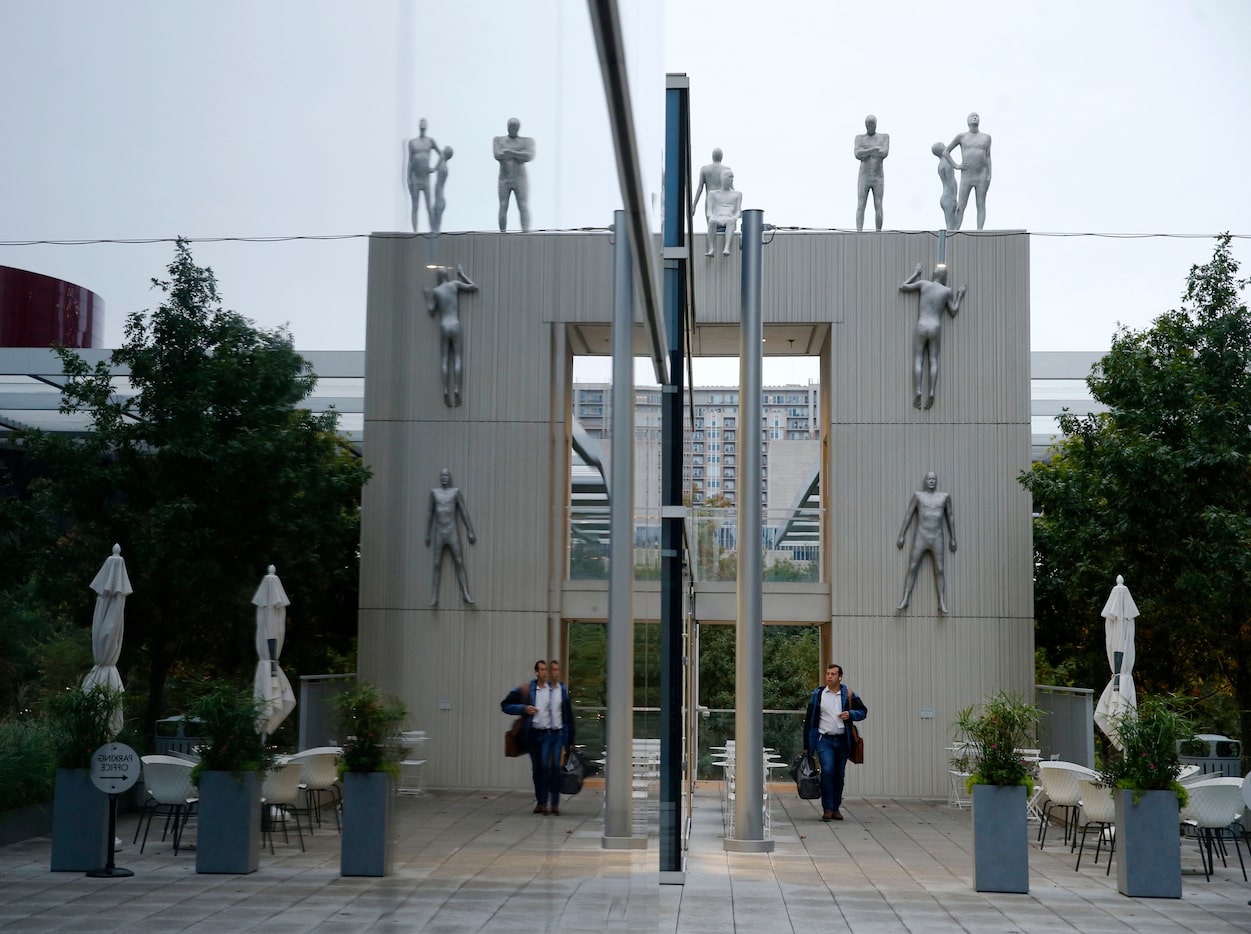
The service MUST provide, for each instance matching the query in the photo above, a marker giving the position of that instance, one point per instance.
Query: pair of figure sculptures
(872, 148)
(512, 151)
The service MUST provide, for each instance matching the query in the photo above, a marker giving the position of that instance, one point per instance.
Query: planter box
(228, 838)
(366, 844)
(80, 823)
(1000, 839)
(1148, 847)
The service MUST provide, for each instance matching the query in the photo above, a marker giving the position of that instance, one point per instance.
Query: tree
(207, 474)
(1158, 489)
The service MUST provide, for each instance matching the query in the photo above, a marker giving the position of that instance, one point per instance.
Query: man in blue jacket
(546, 731)
(830, 712)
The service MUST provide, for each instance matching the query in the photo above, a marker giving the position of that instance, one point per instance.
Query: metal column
(749, 669)
(619, 775)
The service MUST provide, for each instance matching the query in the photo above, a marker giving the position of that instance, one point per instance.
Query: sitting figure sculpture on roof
(725, 206)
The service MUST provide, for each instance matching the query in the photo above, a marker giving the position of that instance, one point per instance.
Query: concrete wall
(545, 295)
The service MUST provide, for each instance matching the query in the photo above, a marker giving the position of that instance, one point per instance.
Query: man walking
(830, 712)
(552, 728)
(520, 702)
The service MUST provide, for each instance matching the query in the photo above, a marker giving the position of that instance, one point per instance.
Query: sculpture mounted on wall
(443, 534)
(420, 148)
(871, 148)
(710, 178)
(443, 303)
(725, 206)
(946, 175)
(440, 179)
(974, 169)
(512, 152)
(936, 298)
(934, 514)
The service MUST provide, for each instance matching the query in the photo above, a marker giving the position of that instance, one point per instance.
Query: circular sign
(114, 768)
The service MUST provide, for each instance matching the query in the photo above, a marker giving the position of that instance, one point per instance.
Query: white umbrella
(107, 626)
(1118, 697)
(271, 686)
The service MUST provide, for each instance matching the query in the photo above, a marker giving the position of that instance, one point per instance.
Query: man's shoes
(555, 812)
(540, 809)
(836, 815)
(828, 815)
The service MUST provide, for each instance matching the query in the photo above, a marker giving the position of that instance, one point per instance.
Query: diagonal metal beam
(606, 25)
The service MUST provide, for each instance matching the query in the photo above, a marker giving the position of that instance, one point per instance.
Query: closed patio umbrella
(1118, 697)
(271, 686)
(111, 585)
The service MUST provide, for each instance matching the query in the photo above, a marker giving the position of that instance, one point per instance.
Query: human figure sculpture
(936, 298)
(934, 514)
(710, 178)
(440, 179)
(419, 149)
(443, 533)
(871, 148)
(947, 175)
(725, 206)
(512, 152)
(443, 302)
(974, 169)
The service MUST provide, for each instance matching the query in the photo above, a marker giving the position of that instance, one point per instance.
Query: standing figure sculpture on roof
(934, 514)
(443, 533)
(512, 152)
(936, 298)
(725, 206)
(974, 169)
(871, 148)
(947, 175)
(440, 179)
(443, 302)
(709, 178)
(419, 150)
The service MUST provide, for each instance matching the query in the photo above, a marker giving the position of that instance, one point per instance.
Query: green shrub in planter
(369, 721)
(1149, 759)
(228, 717)
(80, 722)
(27, 763)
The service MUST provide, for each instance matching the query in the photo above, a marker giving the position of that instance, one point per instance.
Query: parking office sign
(115, 768)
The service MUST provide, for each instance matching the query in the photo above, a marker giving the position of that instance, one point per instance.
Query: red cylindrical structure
(38, 311)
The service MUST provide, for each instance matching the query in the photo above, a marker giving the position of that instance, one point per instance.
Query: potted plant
(369, 769)
(1143, 776)
(1001, 782)
(229, 778)
(80, 723)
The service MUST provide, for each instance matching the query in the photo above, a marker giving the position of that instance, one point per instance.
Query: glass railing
(791, 540)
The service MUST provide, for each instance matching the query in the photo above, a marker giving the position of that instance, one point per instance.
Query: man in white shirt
(830, 711)
(552, 728)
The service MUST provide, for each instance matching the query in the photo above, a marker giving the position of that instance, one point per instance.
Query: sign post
(114, 769)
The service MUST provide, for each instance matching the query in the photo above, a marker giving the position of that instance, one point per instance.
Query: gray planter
(1000, 839)
(1148, 848)
(80, 823)
(228, 835)
(366, 844)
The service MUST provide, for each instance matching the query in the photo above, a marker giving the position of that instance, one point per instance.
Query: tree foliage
(1158, 489)
(209, 472)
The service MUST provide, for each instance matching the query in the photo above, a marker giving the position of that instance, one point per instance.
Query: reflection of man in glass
(934, 513)
(443, 301)
(443, 532)
(936, 298)
(512, 152)
(420, 148)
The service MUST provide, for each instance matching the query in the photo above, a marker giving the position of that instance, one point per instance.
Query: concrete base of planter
(80, 823)
(1148, 848)
(1000, 839)
(366, 844)
(228, 835)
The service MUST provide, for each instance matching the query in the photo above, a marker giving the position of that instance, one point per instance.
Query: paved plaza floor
(481, 861)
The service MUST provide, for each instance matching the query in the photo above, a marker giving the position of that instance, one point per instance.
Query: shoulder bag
(514, 745)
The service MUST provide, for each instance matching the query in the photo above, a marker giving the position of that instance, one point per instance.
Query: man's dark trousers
(832, 754)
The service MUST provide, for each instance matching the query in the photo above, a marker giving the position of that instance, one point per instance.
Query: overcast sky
(148, 119)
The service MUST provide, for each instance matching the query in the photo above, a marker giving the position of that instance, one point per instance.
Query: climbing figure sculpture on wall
(934, 514)
(443, 302)
(936, 298)
(443, 534)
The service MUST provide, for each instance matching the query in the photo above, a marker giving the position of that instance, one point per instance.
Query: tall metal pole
(749, 669)
(672, 512)
(619, 809)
